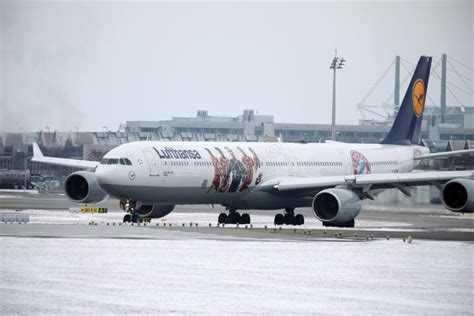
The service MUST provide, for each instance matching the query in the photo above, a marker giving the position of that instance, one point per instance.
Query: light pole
(337, 63)
(106, 128)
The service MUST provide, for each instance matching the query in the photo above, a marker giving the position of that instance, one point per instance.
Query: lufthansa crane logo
(418, 97)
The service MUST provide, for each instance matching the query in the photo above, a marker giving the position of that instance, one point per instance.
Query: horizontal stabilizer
(445, 154)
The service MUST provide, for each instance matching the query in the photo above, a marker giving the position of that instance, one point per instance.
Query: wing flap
(432, 176)
(379, 180)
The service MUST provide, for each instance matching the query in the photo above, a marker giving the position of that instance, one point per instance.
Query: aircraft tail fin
(407, 125)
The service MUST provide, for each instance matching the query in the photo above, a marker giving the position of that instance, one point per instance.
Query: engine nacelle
(154, 210)
(82, 187)
(336, 206)
(458, 195)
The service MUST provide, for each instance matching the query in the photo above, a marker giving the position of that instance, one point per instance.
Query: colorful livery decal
(232, 174)
(360, 163)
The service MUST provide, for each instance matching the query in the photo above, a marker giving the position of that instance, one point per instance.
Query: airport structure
(16, 148)
(444, 128)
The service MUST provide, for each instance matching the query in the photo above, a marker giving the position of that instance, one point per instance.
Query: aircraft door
(291, 165)
(153, 164)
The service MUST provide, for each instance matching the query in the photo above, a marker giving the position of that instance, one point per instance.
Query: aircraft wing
(445, 154)
(83, 164)
(373, 181)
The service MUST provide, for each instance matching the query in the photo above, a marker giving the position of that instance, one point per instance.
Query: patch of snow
(19, 191)
(110, 276)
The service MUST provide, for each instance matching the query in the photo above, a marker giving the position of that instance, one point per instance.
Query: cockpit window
(125, 161)
(112, 161)
(103, 161)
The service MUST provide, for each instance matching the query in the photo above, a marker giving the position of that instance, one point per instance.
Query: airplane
(150, 177)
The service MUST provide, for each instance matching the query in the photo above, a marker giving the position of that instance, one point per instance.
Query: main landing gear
(131, 218)
(129, 207)
(289, 218)
(233, 217)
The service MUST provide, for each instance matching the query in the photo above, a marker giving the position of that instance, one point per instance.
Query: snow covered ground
(99, 276)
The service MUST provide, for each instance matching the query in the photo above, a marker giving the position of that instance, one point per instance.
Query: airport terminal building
(457, 132)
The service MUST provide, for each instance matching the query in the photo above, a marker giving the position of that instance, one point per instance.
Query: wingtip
(37, 151)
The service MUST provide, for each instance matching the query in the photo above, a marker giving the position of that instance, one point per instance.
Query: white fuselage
(227, 173)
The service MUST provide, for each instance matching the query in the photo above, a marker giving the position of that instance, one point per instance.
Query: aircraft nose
(103, 175)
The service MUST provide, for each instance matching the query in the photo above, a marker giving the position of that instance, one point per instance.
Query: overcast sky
(86, 65)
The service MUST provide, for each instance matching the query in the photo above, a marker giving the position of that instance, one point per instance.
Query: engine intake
(458, 195)
(154, 210)
(82, 187)
(336, 206)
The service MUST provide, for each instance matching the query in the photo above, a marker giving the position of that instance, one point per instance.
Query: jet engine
(82, 187)
(336, 207)
(154, 210)
(458, 195)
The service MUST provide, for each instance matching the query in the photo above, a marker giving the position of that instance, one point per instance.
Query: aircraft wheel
(350, 224)
(135, 218)
(222, 218)
(233, 218)
(299, 219)
(244, 219)
(279, 219)
(127, 218)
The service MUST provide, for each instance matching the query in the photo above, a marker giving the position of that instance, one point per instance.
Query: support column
(396, 95)
(443, 87)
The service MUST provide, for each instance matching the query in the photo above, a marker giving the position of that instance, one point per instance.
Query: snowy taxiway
(184, 274)
(59, 263)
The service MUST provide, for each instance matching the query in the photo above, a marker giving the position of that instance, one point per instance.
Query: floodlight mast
(337, 63)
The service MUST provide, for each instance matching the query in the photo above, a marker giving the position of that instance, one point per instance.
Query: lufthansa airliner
(151, 177)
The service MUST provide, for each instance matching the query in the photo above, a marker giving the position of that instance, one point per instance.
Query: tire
(222, 218)
(136, 218)
(233, 218)
(279, 219)
(288, 219)
(127, 218)
(350, 224)
(15, 186)
(299, 219)
(29, 187)
(244, 219)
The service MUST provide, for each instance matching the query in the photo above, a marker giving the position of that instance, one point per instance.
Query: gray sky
(93, 64)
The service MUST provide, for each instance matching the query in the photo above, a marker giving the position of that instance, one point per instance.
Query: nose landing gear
(289, 218)
(233, 217)
(130, 206)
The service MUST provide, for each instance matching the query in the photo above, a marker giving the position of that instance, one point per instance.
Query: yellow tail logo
(418, 97)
